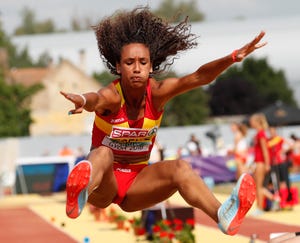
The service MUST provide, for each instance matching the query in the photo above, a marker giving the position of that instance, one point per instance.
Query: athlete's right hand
(77, 100)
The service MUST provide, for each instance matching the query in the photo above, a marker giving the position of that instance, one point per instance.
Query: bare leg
(156, 183)
(240, 168)
(92, 181)
(159, 181)
(103, 187)
(259, 176)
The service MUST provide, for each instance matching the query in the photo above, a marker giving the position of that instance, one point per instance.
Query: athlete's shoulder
(110, 92)
(109, 100)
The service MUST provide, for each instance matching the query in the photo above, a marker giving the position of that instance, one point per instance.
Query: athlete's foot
(257, 212)
(234, 209)
(76, 188)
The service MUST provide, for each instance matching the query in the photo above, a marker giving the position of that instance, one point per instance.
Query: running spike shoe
(233, 211)
(77, 185)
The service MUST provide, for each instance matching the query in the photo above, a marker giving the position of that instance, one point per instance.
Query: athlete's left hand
(250, 47)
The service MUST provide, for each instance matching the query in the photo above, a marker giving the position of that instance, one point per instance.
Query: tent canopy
(281, 114)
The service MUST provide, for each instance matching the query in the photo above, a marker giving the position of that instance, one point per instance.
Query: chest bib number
(130, 146)
(130, 139)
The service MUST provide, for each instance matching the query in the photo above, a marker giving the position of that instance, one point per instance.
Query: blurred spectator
(157, 153)
(215, 135)
(295, 153)
(181, 152)
(261, 159)
(193, 146)
(240, 147)
(279, 161)
(66, 151)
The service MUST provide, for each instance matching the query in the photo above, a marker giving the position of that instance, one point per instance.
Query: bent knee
(183, 165)
(182, 169)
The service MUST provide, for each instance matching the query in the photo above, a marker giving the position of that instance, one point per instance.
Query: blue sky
(62, 11)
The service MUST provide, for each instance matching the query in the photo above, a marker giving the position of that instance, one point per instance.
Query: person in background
(157, 153)
(295, 153)
(240, 147)
(193, 146)
(279, 161)
(275, 145)
(66, 151)
(261, 158)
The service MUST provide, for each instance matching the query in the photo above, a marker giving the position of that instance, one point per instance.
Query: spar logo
(121, 132)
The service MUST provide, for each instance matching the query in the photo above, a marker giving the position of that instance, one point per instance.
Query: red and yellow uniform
(275, 148)
(127, 137)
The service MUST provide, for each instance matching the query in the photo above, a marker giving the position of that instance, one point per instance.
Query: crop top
(258, 152)
(124, 136)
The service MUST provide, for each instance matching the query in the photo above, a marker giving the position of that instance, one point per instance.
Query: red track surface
(251, 225)
(22, 225)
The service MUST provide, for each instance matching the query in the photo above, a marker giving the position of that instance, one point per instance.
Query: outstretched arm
(105, 100)
(207, 72)
(87, 101)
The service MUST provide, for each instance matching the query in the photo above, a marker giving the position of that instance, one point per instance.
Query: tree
(20, 58)
(272, 84)
(79, 24)
(46, 26)
(233, 96)
(14, 109)
(28, 21)
(190, 108)
(43, 60)
(75, 24)
(104, 77)
(246, 88)
(30, 26)
(171, 11)
(187, 109)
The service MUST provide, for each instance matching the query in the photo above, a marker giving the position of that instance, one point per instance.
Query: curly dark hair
(141, 26)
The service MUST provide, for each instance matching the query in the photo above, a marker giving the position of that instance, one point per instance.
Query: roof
(28, 76)
(279, 114)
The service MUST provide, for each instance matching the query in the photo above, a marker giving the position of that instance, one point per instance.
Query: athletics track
(35, 219)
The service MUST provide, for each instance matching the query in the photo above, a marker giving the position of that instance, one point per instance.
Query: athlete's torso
(130, 140)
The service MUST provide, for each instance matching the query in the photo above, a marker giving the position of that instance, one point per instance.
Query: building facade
(49, 109)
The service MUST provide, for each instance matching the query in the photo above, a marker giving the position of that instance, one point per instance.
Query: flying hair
(164, 40)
